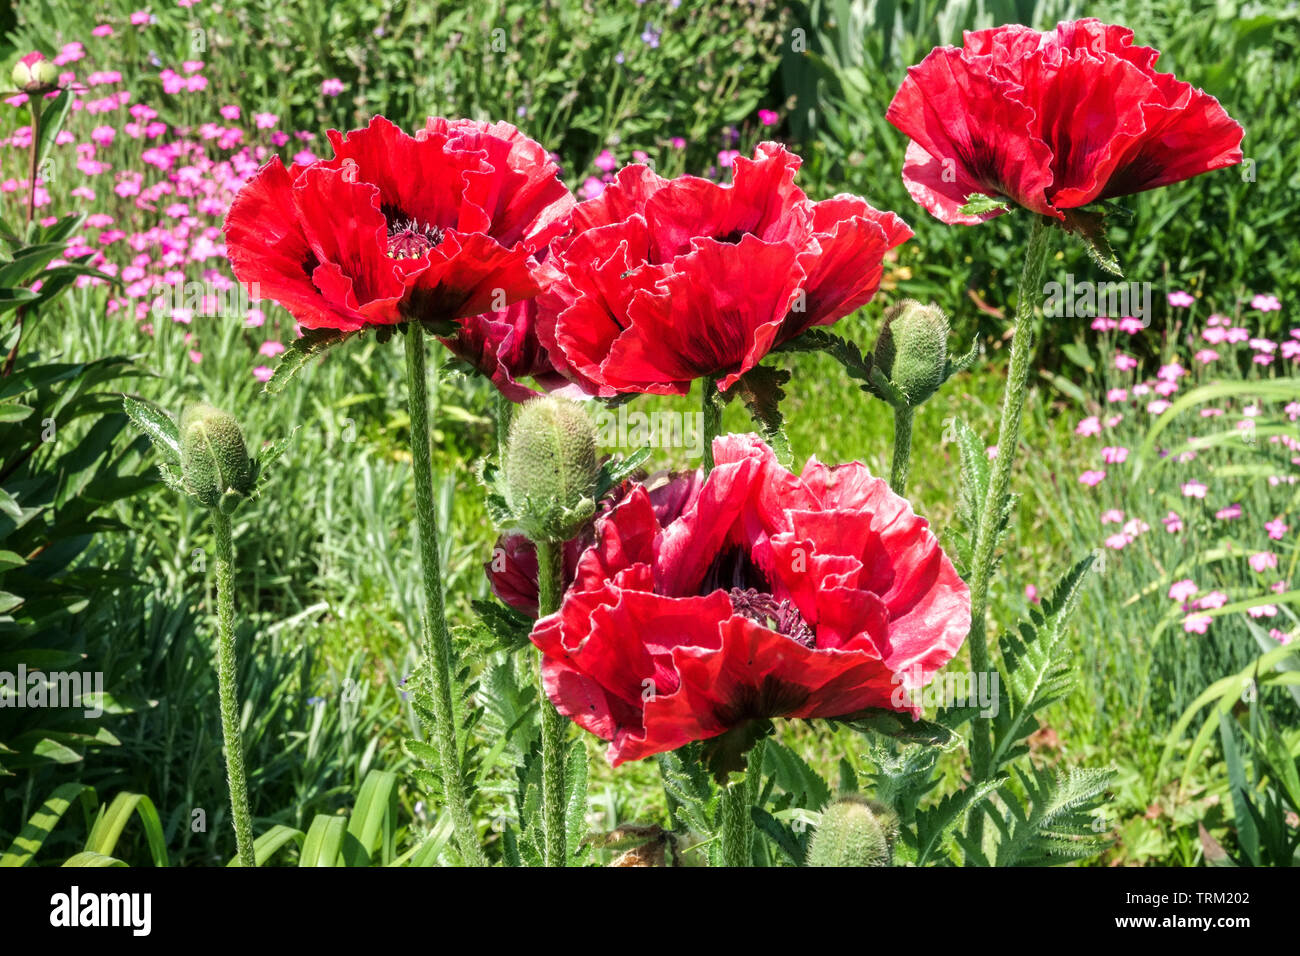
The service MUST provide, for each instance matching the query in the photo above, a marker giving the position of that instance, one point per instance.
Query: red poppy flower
(512, 572)
(503, 346)
(1052, 121)
(771, 595)
(661, 282)
(433, 227)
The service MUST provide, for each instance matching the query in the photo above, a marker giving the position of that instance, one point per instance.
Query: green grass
(327, 557)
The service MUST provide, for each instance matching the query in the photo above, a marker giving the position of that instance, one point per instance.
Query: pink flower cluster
(1155, 396)
(157, 194)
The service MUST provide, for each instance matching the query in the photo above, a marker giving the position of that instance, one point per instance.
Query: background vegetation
(326, 557)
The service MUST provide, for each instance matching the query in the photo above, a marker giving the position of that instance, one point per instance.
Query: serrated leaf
(1036, 664)
(616, 470)
(1089, 227)
(309, 345)
(157, 425)
(782, 834)
(880, 720)
(934, 824)
(761, 389)
(575, 788)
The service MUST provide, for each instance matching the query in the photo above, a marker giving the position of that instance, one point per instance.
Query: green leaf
(509, 629)
(902, 727)
(19, 271)
(575, 787)
(108, 828)
(935, 824)
(793, 775)
(1089, 227)
(1035, 664)
(41, 824)
(89, 858)
(11, 412)
(157, 425)
(374, 820)
(783, 835)
(52, 117)
(761, 390)
(615, 470)
(266, 846)
(309, 345)
(324, 841)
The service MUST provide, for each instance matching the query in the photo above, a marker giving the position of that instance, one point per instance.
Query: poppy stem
(711, 400)
(227, 692)
(903, 416)
(33, 101)
(437, 641)
(734, 823)
(550, 588)
(998, 493)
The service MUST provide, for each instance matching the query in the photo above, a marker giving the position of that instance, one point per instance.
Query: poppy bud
(35, 74)
(912, 349)
(551, 469)
(215, 467)
(854, 832)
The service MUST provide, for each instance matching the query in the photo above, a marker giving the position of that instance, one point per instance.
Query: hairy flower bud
(551, 469)
(854, 832)
(34, 74)
(215, 467)
(912, 349)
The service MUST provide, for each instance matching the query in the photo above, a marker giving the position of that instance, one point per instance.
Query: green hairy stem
(712, 407)
(437, 640)
(1013, 405)
(902, 450)
(550, 581)
(227, 692)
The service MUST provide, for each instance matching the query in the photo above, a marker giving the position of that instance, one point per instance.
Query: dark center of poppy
(780, 616)
(732, 237)
(734, 568)
(735, 572)
(410, 239)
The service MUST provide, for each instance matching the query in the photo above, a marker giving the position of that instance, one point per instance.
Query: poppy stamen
(410, 239)
(780, 616)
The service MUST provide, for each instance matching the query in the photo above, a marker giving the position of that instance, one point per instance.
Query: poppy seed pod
(35, 74)
(215, 467)
(551, 469)
(912, 349)
(854, 832)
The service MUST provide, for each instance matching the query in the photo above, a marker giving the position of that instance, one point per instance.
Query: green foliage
(64, 461)
(105, 824)
(1048, 820)
(762, 390)
(1036, 667)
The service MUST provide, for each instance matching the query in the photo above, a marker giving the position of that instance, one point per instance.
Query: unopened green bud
(215, 467)
(35, 74)
(854, 832)
(912, 349)
(551, 469)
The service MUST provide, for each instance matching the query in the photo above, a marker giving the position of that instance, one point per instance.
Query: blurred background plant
(176, 105)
